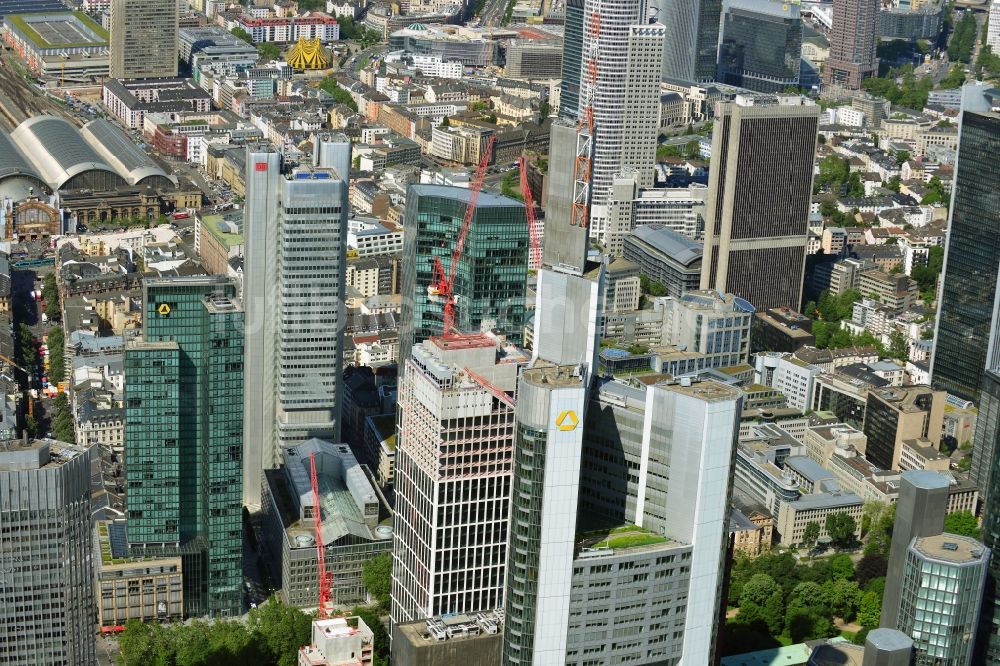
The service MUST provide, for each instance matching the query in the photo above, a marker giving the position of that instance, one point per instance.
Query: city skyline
(505, 333)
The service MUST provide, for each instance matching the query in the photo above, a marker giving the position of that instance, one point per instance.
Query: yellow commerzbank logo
(164, 309)
(567, 420)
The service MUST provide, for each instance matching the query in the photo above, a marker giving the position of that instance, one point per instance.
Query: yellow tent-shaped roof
(308, 54)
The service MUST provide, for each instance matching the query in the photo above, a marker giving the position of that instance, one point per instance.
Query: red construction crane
(535, 259)
(442, 284)
(321, 572)
(583, 165)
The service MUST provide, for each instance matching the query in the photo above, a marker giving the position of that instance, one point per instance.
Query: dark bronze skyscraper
(758, 199)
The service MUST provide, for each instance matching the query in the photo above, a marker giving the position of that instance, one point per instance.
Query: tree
(807, 616)
(902, 157)
(773, 612)
(544, 109)
(340, 96)
(963, 39)
(842, 566)
(841, 528)
(810, 533)
(870, 609)
(381, 636)
(27, 351)
(268, 51)
(899, 346)
(651, 287)
(31, 425)
(870, 567)
(50, 294)
(842, 597)
(348, 29)
(242, 34)
(509, 185)
(376, 574)
(955, 78)
(962, 523)
(282, 630)
(757, 590)
(62, 422)
(692, 149)
(445, 122)
(57, 368)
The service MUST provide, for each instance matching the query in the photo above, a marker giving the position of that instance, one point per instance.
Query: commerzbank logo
(567, 420)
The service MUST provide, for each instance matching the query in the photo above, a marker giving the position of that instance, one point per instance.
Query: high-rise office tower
(987, 434)
(944, 576)
(625, 101)
(577, 513)
(184, 436)
(852, 43)
(490, 281)
(923, 501)
(572, 60)
(678, 439)
(452, 478)
(547, 457)
(985, 450)
(759, 193)
(692, 43)
(144, 38)
(47, 597)
(968, 290)
(761, 45)
(632, 138)
(295, 221)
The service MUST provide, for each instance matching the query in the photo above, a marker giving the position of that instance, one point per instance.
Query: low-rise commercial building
(793, 517)
(147, 589)
(666, 256)
(285, 29)
(781, 330)
(898, 292)
(218, 239)
(454, 640)
(792, 376)
(355, 525)
(895, 416)
(130, 100)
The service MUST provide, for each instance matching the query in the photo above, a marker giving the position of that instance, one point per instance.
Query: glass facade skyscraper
(972, 254)
(943, 579)
(986, 474)
(692, 43)
(184, 435)
(569, 87)
(761, 45)
(490, 281)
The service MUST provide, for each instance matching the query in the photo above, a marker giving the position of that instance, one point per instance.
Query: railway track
(20, 100)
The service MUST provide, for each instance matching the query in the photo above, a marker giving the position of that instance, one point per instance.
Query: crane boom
(535, 258)
(322, 575)
(443, 284)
